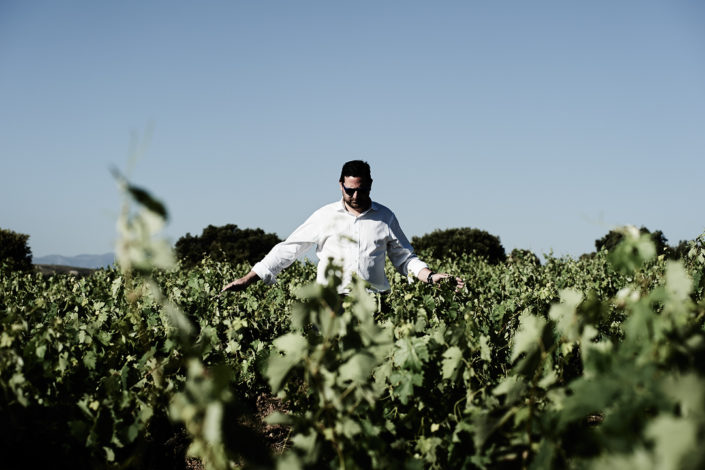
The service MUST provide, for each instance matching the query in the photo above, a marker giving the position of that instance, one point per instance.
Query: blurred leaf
(634, 250)
(212, 422)
(278, 367)
(357, 369)
(143, 197)
(451, 360)
(278, 418)
(289, 461)
(512, 386)
(678, 282)
(544, 457)
(348, 427)
(528, 335)
(485, 349)
(293, 345)
(177, 320)
(565, 314)
(674, 441)
(305, 442)
(689, 392)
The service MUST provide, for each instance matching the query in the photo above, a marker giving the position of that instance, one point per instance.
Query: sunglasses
(360, 190)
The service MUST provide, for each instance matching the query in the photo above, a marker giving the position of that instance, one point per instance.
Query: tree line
(229, 243)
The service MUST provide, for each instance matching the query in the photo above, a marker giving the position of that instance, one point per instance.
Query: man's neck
(354, 211)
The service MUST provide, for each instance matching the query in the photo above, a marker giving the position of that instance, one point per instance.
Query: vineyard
(590, 363)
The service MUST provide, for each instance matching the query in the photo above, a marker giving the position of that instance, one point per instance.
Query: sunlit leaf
(294, 345)
(278, 367)
(451, 361)
(528, 336)
(565, 314)
(512, 386)
(357, 369)
(674, 442)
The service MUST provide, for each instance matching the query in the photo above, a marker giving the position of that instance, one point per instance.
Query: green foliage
(615, 236)
(227, 243)
(330, 356)
(681, 250)
(14, 251)
(523, 256)
(457, 241)
(590, 363)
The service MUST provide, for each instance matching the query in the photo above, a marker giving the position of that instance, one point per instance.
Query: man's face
(360, 198)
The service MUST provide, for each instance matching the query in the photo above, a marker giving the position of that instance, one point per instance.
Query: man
(355, 233)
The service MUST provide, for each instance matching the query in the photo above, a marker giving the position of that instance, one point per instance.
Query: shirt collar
(373, 207)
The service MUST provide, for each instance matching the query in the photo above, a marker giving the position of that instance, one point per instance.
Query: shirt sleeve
(400, 251)
(283, 254)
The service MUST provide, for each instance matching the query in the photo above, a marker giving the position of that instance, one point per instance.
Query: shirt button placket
(352, 256)
(356, 232)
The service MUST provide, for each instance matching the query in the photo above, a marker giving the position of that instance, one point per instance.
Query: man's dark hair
(356, 168)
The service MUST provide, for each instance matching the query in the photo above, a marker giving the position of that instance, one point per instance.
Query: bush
(227, 243)
(610, 241)
(520, 256)
(14, 250)
(441, 243)
(681, 250)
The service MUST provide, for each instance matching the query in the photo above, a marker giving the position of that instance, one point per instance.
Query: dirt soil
(275, 437)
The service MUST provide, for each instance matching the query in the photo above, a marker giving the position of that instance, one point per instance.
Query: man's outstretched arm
(242, 283)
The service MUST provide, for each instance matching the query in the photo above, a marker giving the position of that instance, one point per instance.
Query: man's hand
(242, 283)
(436, 278)
(441, 277)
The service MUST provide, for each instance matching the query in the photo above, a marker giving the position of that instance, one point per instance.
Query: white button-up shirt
(357, 243)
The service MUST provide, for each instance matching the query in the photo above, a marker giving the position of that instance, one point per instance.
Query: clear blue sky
(545, 123)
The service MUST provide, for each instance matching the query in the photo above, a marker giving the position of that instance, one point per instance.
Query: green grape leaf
(348, 427)
(305, 442)
(565, 314)
(279, 418)
(674, 441)
(513, 387)
(688, 391)
(278, 367)
(678, 284)
(451, 361)
(212, 422)
(293, 345)
(143, 197)
(485, 349)
(89, 359)
(404, 384)
(528, 336)
(411, 353)
(357, 369)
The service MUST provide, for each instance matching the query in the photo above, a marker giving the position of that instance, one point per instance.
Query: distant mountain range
(79, 261)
